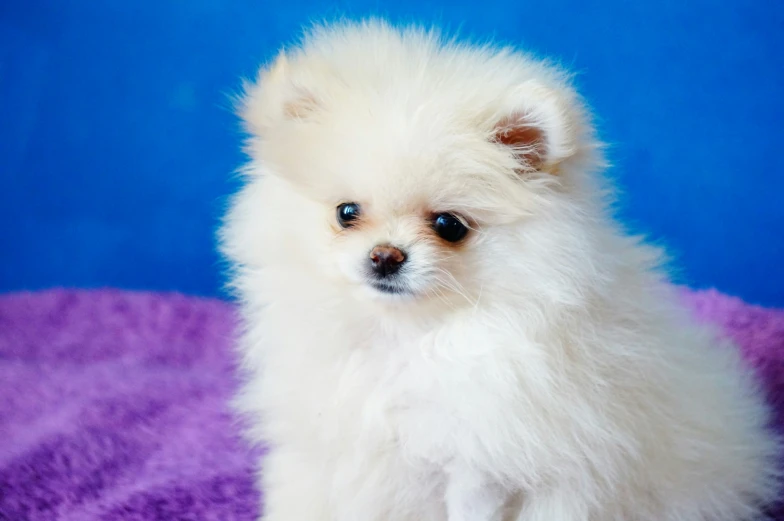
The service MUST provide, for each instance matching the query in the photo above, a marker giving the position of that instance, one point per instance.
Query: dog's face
(406, 253)
(408, 217)
(398, 187)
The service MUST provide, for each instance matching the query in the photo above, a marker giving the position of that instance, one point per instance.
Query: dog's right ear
(274, 98)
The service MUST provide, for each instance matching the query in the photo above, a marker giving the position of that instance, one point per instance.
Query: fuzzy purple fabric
(113, 405)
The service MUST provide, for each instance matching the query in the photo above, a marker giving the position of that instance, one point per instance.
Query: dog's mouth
(390, 288)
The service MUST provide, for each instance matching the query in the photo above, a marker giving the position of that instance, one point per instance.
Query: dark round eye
(348, 213)
(449, 227)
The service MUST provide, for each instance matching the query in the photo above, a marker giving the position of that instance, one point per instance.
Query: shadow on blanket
(113, 405)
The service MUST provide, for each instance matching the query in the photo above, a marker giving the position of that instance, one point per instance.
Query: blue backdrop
(117, 144)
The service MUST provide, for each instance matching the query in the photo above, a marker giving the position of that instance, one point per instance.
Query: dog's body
(470, 337)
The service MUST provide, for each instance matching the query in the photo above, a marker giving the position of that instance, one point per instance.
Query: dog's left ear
(538, 125)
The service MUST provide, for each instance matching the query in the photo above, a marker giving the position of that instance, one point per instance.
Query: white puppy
(442, 320)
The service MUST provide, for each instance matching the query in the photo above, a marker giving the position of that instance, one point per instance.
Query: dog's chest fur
(419, 397)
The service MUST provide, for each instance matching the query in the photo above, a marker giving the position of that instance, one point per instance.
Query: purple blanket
(113, 405)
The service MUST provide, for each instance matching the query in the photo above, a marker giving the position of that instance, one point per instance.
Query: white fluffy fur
(540, 371)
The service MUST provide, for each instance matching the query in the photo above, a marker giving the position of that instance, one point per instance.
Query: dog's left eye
(449, 227)
(348, 213)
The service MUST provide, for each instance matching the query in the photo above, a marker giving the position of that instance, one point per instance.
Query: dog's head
(402, 168)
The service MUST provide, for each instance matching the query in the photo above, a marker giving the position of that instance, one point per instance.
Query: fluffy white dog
(442, 320)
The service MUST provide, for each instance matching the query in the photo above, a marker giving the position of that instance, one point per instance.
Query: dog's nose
(386, 260)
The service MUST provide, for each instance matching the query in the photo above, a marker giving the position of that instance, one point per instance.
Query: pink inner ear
(525, 139)
(301, 107)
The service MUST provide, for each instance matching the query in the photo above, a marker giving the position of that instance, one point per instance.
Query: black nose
(386, 260)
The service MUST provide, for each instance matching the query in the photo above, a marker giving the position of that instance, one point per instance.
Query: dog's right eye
(348, 213)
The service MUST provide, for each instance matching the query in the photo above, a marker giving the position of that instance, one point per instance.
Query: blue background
(117, 144)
